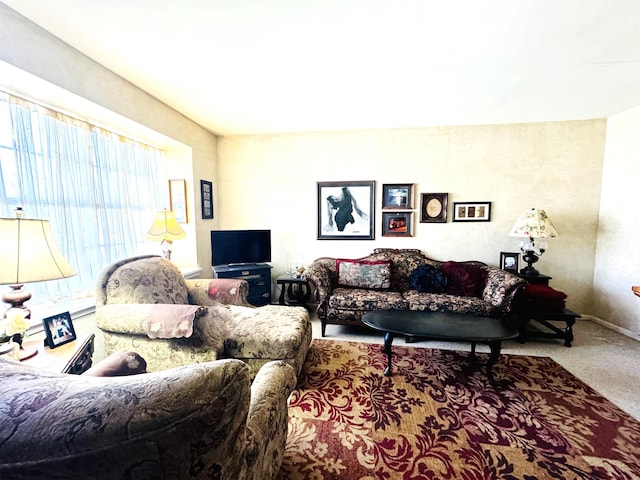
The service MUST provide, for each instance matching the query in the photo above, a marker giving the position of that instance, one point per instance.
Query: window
(98, 189)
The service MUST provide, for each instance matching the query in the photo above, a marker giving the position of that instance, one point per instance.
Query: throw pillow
(373, 274)
(464, 279)
(428, 279)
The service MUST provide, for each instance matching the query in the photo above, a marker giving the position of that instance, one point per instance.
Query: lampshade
(29, 253)
(165, 227)
(533, 223)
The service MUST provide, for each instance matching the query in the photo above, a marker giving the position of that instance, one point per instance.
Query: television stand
(257, 275)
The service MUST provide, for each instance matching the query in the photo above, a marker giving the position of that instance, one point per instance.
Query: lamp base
(26, 353)
(530, 257)
(529, 270)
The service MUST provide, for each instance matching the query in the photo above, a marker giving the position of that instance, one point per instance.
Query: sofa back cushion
(363, 273)
(147, 280)
(466, 279)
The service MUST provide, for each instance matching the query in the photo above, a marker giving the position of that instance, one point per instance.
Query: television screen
(230, 247)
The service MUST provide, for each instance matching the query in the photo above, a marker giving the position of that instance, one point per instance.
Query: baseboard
(611, 326)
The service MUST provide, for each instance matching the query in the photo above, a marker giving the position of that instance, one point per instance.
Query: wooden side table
(73, 357)
(294, 291)
(528, 311)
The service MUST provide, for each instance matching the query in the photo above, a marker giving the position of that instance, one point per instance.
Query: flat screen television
(238, 247)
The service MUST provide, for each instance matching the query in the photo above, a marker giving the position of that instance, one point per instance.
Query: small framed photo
(59, 330)
(397, 224)
(472, 211)
(509, 261)
(178, 199)
(434, 207)
(397, 196)
(206, 196)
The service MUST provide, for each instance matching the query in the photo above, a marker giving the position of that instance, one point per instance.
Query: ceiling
(274, 66)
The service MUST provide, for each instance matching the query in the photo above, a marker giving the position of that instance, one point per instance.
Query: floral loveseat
(202, 421)
(405, 279)
(145, 304)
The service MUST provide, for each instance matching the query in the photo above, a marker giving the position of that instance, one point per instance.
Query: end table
(294, 291)
(73, 357)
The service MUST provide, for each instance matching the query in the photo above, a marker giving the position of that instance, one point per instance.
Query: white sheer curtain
(99, 190)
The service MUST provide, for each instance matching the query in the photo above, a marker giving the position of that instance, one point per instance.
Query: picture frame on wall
(397, 196)
(178, 199)
(397, 224)
(58, 330)
(433, 207)
(510, 261)
(206, 199)
(472, 211)
(346, 210)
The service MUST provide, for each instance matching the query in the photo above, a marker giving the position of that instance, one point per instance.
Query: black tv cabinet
(257, 275)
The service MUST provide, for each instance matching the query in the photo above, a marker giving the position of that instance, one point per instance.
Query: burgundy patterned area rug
(438, 418)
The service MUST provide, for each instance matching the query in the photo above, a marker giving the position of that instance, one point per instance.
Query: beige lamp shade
(165, 228)
(29, 253)
(533, 223)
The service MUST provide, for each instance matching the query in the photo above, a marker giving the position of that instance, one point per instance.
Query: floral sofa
(145, 304)
(405, 279)
(201, 421)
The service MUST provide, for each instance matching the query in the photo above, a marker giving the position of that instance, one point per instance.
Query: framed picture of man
(59, 330)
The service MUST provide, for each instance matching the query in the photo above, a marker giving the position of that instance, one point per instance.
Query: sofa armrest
(165, 424)
(230, 291)
(501, 287)
(322, 275)
(267, 421)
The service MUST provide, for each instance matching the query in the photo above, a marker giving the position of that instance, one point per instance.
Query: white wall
(269, 181)
(32, 49)
(617, 265)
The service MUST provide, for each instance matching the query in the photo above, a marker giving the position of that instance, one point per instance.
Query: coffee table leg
(493, 358)
(388, 340)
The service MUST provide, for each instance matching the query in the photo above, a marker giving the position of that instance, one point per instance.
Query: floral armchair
(146, 305)
(204, 421)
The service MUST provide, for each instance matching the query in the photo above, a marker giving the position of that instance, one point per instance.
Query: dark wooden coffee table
(452, 327)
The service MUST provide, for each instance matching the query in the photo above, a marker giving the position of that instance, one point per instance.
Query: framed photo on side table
(472, 211)
(397, 196)
(206, 199)
(346, 210)
(397, 224)
(59, 330)
(509, 261)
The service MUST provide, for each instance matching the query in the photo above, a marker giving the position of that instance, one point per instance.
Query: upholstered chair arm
(178, 423)
(136, 318)
(267, 420)
(322, 275)
(230, 291)
(501, 287)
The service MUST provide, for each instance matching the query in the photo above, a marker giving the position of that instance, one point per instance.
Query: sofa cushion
(444, 302)
(374, 274)
(464, 278)
(428, 279)
(366, 299)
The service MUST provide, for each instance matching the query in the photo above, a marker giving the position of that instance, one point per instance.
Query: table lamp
(532, 224)
(165, 228)
(28, 254)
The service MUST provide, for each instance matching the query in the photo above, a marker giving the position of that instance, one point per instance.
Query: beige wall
(617, 265)
(269, 181)
(33, 50)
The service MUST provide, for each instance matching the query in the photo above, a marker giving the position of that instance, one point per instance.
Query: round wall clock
(434, 207)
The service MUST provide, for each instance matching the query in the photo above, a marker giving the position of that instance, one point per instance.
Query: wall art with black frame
(346, 210)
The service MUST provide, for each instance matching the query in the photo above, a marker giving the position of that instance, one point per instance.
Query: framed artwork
(346, 210)
(472, 211)
(397, 196)
(178, 199)
(206, 199)
(433, 207)
(510, 261)
(397, 224)
(59, 330)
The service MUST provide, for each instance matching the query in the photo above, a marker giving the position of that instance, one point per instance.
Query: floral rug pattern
(438, 418)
